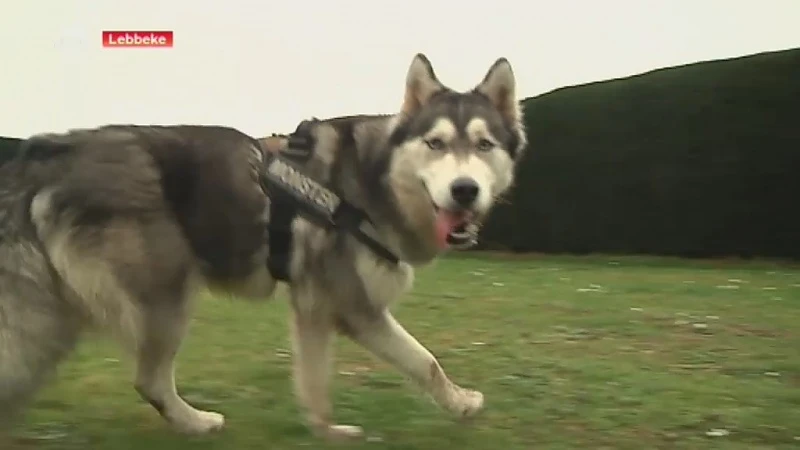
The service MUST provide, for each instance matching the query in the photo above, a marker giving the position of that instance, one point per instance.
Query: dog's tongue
(446, 222)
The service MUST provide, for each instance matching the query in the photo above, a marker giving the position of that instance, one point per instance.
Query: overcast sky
(262, 66)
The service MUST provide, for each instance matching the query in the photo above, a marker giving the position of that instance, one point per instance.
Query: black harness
(291, 193)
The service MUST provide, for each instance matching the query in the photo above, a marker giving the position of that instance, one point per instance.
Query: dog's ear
(421, 84)
(499, 85)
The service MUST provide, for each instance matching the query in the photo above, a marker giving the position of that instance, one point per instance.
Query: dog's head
(454, 153)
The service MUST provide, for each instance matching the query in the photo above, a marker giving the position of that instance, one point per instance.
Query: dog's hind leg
(37, 330)
(386, 338)
(164, 329)
(162, 290)
(133, 278)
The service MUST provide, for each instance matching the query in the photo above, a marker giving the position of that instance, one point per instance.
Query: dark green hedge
(698, 160)
(7, 147)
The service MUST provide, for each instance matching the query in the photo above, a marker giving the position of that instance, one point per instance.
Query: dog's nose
(464, 191)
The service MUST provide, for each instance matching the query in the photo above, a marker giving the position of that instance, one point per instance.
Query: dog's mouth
(455, 229)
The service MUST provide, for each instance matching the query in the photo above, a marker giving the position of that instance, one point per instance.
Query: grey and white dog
(117, 227)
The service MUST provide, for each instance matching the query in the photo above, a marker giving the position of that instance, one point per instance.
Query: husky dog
(116, 227)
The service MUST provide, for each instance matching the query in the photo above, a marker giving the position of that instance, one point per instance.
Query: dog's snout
(464, 191)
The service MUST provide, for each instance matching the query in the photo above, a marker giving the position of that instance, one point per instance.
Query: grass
(598, 352)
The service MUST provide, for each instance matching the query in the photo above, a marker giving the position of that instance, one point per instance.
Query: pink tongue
(446, 221)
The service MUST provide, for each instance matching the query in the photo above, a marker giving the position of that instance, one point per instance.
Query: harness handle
(296, 146)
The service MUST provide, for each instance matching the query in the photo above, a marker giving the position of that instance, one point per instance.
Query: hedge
(698, 160)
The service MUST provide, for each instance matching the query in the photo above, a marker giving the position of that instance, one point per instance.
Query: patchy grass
(598, 352)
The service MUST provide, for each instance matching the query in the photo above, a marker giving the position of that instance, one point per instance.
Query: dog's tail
(36, 147)
(45, 146)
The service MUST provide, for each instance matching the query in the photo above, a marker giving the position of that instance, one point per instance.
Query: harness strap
(297, 146)
(291, 192)
(279, 235)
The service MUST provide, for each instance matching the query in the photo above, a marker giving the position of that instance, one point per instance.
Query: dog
(117, 227)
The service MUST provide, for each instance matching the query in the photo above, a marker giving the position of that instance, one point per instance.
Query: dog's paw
(199, 422)
(336, 433)
(466, 402)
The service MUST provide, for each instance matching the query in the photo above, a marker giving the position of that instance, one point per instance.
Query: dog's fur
(116, 227)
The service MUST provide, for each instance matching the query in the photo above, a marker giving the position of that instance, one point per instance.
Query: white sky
(262, 66)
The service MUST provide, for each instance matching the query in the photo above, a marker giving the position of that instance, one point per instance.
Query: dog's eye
(435, 144)
(485, 145)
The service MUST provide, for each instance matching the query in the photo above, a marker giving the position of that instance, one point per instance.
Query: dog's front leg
(312, 334)
(385, 337)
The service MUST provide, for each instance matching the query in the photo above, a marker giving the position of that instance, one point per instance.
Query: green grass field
(600, 352)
